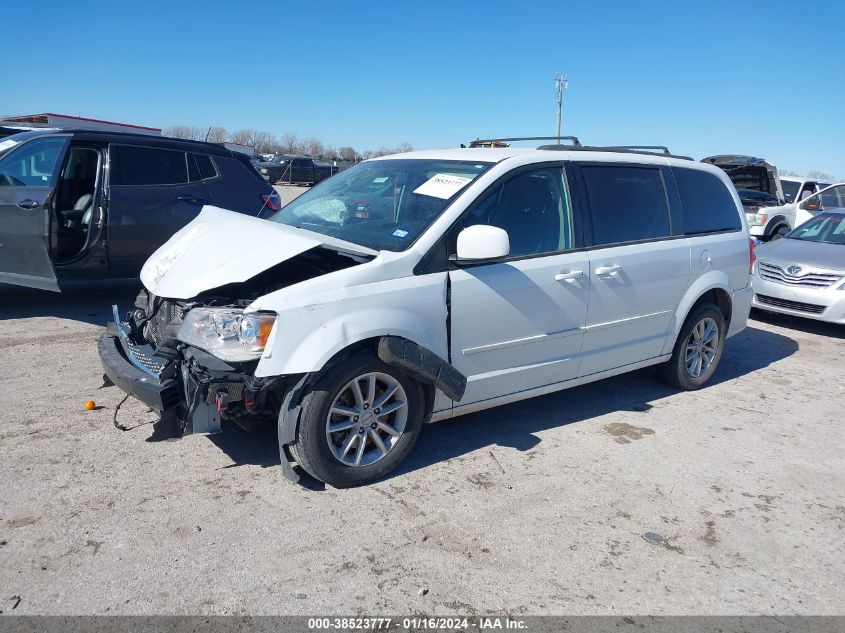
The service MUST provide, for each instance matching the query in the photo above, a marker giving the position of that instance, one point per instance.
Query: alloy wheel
(702, 347)
(366, 420)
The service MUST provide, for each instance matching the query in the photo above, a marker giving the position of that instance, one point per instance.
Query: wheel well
(371, 345)
(720, 299)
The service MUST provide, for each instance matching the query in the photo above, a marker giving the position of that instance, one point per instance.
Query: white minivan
(423, 286)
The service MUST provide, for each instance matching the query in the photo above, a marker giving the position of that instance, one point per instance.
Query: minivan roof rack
(648, 150)
(576, 145)
(493, 142)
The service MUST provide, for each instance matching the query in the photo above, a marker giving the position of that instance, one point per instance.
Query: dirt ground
(620, 497)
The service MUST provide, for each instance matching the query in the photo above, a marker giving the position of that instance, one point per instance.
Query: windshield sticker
(401, 233)
(442, 186)
(380, 180)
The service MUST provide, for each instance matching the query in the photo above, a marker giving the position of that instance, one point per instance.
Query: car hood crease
(221, 247)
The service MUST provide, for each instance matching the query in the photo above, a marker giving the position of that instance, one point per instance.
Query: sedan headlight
(227, 333)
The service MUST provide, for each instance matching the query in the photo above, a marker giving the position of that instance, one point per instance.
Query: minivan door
(517, 324)
(638, 269)
(28, 175)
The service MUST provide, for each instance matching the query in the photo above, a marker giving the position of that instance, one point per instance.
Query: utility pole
(561, 83)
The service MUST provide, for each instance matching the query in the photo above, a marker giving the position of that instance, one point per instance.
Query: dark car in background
(78, 205)
(298, 170)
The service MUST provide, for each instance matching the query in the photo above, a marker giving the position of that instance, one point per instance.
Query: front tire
(697, 350)
(359, 420)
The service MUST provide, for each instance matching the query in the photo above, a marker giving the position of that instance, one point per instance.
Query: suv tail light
(752, 254)
(272, 201)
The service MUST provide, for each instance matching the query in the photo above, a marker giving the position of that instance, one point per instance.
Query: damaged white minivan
(423, 286)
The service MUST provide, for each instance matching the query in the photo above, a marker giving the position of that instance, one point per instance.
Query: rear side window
(626, 203)
(131, 165)
(708, 205)
(200, 167)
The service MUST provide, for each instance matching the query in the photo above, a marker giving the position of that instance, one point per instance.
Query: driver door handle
(608, 271)
(570, 275)
(28, 204)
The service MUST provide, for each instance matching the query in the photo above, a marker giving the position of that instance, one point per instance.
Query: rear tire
(697, 350)
(366, 444)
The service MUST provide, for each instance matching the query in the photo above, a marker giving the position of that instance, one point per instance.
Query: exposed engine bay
(210, 389)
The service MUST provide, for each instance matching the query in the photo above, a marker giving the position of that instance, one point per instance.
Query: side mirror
(809, 205)
(482, 242)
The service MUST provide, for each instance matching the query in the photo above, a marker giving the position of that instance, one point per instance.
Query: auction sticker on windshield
(442, 186)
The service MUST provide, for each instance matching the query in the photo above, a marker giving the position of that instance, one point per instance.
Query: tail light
(272, 201)
(752, 254)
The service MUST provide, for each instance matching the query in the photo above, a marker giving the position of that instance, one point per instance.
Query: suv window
(130, 165)
(532, 207)
(708, 205)
(200, 167)
(626, 203)
(32, 164)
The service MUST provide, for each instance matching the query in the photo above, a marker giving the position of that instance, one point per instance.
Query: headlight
(263, 170)
(227, 333)
(757, 219)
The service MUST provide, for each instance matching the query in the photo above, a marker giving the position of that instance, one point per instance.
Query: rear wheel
(358, 422)
(698, 349)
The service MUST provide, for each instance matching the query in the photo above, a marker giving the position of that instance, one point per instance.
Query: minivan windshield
(381, 204)
(828, 228)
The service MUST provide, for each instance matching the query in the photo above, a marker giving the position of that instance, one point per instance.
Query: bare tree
(216, 135)
(329, 153)
(788, 172)
(264, 142)
(184, 131)
(347, 153)
(820, 175)
(404, 147)
(289, 143)
(242, 137)
(312, 146)
(367, 153)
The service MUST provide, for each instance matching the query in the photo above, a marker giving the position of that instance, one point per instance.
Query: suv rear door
(639, 269)
(28, 176)
(150, 198)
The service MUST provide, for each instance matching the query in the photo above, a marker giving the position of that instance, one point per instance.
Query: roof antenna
(561, 84)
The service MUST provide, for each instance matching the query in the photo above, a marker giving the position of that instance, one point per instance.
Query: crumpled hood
(802, 252)
(221, 247)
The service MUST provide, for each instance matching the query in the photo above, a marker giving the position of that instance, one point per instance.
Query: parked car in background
(795, 188)
(803, 273)
(749, 173)
(770, 221)
(84, 205)
(297, 170)
(428, 285)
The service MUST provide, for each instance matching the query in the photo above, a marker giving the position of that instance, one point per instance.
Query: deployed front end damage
(190, 388)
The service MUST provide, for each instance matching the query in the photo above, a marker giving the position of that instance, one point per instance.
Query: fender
(306, 337)
(711, 280)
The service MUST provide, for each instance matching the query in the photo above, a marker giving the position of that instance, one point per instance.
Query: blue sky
(759, 77)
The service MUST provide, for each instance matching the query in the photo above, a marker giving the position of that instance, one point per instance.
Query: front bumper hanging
(161, 383)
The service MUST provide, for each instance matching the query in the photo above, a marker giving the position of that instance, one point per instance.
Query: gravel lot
(534, 508)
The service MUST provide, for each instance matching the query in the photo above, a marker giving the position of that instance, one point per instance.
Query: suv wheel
(698, 349)
(359, 421)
